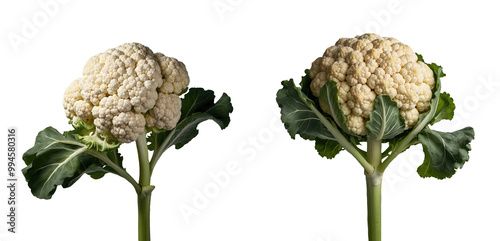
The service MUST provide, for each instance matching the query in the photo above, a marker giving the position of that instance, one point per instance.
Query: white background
(283, 190)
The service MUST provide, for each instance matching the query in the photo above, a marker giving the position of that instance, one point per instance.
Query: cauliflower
(125, 90)
(367, 66)
(371, 89)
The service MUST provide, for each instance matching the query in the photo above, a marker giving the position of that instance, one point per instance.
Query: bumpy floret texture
(370, 65)
(127, 89)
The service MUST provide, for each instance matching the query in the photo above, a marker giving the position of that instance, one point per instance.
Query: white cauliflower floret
(122, 87)
(127, 126)
(166, 112)
(72, 95)
(175, 76)
(369, 65)
(83, 110)
(108, 108)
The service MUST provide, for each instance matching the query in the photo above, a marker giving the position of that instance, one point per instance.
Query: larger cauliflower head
(367, 66)
(125, 90)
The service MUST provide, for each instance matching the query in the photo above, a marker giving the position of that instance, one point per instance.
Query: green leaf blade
(305, 84)
(444, 151)
(385, 121)
(297, 113)
(196, 100)
(425, 118)
(328, 95)
(197, 106)
(55, 159)
(88, 165)
(187, 129)
(97, 171)
(327, 148)
(445, 108)
(400, 143)
(47, 138)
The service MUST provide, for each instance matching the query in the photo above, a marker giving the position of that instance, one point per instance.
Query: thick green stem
(144, 204)
(144, 197)
(373, 191)
(374, 153)
(374, 206)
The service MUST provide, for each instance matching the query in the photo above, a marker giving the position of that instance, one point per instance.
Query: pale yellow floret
(369, 65)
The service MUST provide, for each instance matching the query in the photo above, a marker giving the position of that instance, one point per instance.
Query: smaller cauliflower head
(125, 90)
(367, 66)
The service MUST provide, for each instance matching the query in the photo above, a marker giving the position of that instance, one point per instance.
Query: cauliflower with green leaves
(374, 97)
(126, 94)
(126, 90)
(367, 66)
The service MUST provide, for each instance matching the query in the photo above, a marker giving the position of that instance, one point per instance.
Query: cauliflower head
(125, 90)
(370, 65)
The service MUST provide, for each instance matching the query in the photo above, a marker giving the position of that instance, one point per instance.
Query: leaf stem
(400, 147)
(120, 171)
(142, 152)
(159, 150)
(342, 140)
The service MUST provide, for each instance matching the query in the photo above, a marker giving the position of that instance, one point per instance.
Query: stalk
(374, 205)
(373, 192)
(144, 204)
(144, 197)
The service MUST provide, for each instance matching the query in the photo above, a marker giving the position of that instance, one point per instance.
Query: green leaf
(419, 57)
(442, 107)
(88, 164)
(328, 95)
(197, 106)
(81, 128)
(297, 113)
(305, 84)
(100, 142)
(402, 142)
(444, 151)
(327, 148)
(98, 171)
(396, 141)
(445, 108)
(55, 159)
(40, 140)
(196, 100)
(425, 118)
(385, 121)
(438, 70)
(86, 134)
